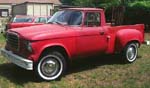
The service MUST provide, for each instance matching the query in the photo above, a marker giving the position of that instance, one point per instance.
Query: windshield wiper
(57, 22)
(50, 22)
(61, 23)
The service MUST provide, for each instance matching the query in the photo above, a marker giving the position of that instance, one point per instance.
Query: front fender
(125, 36)
(39, 47)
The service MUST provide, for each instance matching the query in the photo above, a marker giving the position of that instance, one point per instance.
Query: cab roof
(86, 9)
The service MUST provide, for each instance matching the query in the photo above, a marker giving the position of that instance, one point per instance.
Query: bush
(138, 12)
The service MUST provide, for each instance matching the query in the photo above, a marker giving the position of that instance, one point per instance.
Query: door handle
(102, 33)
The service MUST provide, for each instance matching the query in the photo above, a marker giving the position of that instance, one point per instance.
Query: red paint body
(24, 24)
(77, 40)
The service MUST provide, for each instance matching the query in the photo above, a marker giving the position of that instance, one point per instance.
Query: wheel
(130, 53)
(51, 66)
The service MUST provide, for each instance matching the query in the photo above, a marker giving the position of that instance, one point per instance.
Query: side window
(92, 19)
(40, 20)
(37, 20)
(43, 20)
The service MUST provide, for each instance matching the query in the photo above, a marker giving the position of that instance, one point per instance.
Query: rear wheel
(130, 53)
(51, 66)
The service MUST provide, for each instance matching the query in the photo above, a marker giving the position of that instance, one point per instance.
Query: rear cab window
(92, 19)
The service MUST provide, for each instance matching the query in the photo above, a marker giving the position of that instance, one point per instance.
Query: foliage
(138, 12)
(67, 2)
(84, 3)
(99, 3)
(96, 3)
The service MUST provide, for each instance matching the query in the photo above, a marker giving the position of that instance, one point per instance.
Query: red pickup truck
(70, 33)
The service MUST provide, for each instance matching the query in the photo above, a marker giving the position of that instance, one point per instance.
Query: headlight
(28, 46)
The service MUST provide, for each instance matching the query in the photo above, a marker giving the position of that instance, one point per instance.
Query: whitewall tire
(130, 53)
(51, 66)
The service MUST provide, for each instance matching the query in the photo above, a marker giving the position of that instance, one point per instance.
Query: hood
(42, 32)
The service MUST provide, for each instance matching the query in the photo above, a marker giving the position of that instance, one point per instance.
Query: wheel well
(118, 50)
(134, 41)
(56, 48)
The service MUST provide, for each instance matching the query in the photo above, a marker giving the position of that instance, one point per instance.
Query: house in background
(10, 8)
(27, 7)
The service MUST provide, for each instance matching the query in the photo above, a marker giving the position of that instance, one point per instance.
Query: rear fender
(124, 36)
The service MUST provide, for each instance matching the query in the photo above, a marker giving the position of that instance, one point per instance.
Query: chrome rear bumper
(147, 42)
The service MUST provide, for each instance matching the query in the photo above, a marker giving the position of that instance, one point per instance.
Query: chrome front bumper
(22, 62)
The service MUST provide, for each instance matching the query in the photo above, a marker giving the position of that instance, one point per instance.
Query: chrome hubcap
(131, 53)
(50, 67)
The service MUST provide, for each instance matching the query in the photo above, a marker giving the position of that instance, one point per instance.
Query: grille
(13, 40)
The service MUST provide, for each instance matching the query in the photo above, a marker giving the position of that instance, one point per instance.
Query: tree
(83, 3)
(99, 3)
(67, 2)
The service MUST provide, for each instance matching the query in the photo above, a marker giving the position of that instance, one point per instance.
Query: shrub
(138, 12)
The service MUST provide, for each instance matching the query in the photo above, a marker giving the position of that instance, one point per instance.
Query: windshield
(67, 17)
(25, 19)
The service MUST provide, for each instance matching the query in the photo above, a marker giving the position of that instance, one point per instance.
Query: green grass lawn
(96, 72)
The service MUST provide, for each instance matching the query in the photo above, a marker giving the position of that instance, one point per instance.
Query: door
(92, 38)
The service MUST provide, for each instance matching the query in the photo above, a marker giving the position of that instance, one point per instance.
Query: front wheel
(130, 53)
(51, 66)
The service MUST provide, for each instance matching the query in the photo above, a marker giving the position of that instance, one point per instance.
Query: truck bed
(112, 31)
(139, 27)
